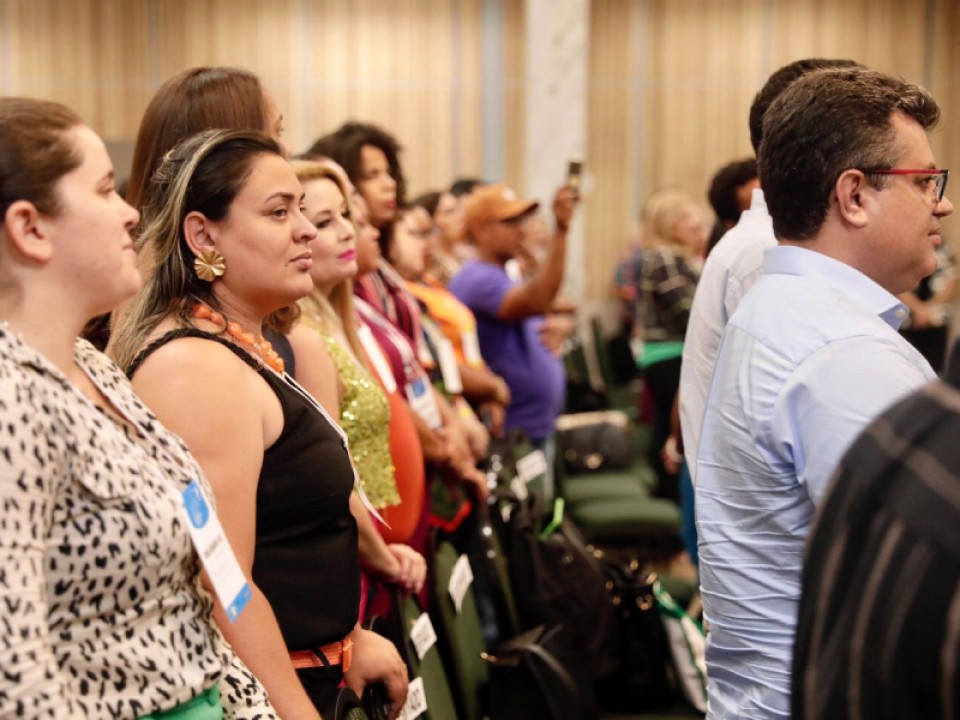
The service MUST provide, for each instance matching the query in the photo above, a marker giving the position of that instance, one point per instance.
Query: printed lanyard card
(448, 367)
(375, 355)
(423, 403)
(471, 348)
(228, 580)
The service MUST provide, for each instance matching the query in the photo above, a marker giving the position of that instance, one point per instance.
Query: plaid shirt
(664, 294)
(879, 623)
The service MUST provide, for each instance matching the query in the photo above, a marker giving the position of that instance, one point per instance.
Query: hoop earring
(209, 265)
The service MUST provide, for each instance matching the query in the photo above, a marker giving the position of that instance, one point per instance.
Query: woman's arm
(228, 416)
(316, 370)
(395, 563)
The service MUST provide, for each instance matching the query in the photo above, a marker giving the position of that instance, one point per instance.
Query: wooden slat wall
(702, 62)
(410, 65)
(611, 139)
(514, 91)
(91, 55)
(670, 81)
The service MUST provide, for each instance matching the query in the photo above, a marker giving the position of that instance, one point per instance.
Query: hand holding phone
(574, 174)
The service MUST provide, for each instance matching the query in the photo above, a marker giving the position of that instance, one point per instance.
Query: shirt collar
(757, 200)
(14, 348)
(793, 260)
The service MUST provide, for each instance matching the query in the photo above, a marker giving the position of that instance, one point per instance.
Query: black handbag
(643, 680)
(535, 675)
(557, 581)
(594, 442)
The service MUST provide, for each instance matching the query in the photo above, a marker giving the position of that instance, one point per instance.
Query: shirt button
(901, 313)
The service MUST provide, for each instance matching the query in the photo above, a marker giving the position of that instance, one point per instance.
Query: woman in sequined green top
(364, 408)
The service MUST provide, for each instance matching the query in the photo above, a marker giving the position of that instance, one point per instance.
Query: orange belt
(336, 653)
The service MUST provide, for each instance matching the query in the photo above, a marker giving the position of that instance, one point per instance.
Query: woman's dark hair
(35, 152)
(194, 100)
(344, 147)
(204, 173)
(428, 201)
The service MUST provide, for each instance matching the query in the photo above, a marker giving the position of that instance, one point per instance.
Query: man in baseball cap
(509, 313)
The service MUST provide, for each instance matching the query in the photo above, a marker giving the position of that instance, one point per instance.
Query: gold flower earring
(209, 265)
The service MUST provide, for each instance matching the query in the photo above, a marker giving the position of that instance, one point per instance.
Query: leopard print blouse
(101, 611)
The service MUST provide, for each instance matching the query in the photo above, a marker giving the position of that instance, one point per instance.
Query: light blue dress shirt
(810, 357)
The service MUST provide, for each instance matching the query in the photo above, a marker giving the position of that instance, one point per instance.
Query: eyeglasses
(939, 177)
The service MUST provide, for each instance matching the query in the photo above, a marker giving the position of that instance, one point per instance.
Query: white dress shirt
(809, 359)
(730, 270)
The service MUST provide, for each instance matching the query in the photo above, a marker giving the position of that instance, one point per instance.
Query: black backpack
(557, 581)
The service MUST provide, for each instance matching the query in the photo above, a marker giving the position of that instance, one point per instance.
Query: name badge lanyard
(343, 439)
(206, 532)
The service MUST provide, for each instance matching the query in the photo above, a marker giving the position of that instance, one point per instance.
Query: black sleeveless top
(305, 560)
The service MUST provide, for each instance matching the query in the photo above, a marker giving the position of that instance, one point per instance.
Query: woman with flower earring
(227, 205)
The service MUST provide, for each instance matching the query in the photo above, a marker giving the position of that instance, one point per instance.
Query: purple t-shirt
(513, 350)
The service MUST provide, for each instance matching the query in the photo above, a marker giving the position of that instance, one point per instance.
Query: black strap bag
(535, 675)
(557, 581)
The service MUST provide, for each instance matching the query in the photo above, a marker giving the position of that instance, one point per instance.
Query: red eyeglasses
(939, 177)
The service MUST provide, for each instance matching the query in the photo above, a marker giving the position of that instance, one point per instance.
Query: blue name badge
(223, 569)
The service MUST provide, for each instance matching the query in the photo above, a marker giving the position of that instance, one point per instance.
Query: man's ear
(854, 197)
(28, 232)
(198, 232)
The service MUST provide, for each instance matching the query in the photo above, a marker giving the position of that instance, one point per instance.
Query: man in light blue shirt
(810, 357)
(730, 270)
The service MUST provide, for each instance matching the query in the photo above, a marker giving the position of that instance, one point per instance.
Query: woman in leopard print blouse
(103, 615)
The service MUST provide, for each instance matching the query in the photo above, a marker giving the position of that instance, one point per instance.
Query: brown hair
(204, 173)
(338, 307)
(823, 124)
(35, 152)
(197, 99)
(778, 82)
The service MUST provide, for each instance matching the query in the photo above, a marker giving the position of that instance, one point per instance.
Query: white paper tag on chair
(460, 581)
(423, 635)
(416, 704)
(532, 465)
(519, 488)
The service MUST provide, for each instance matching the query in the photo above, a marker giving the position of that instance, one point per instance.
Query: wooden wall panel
(468, 103)
(887, 35)
(514, 94)
(702, 64)
(397, 67)
(89, 54)
(610, 140)
(411, 65)
(261, 37)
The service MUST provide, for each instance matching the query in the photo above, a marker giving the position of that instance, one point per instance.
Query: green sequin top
(365, 418)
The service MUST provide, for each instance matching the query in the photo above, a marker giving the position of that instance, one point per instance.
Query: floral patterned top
(103, 614)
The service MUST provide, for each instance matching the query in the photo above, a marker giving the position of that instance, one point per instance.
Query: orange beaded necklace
(258, 344)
